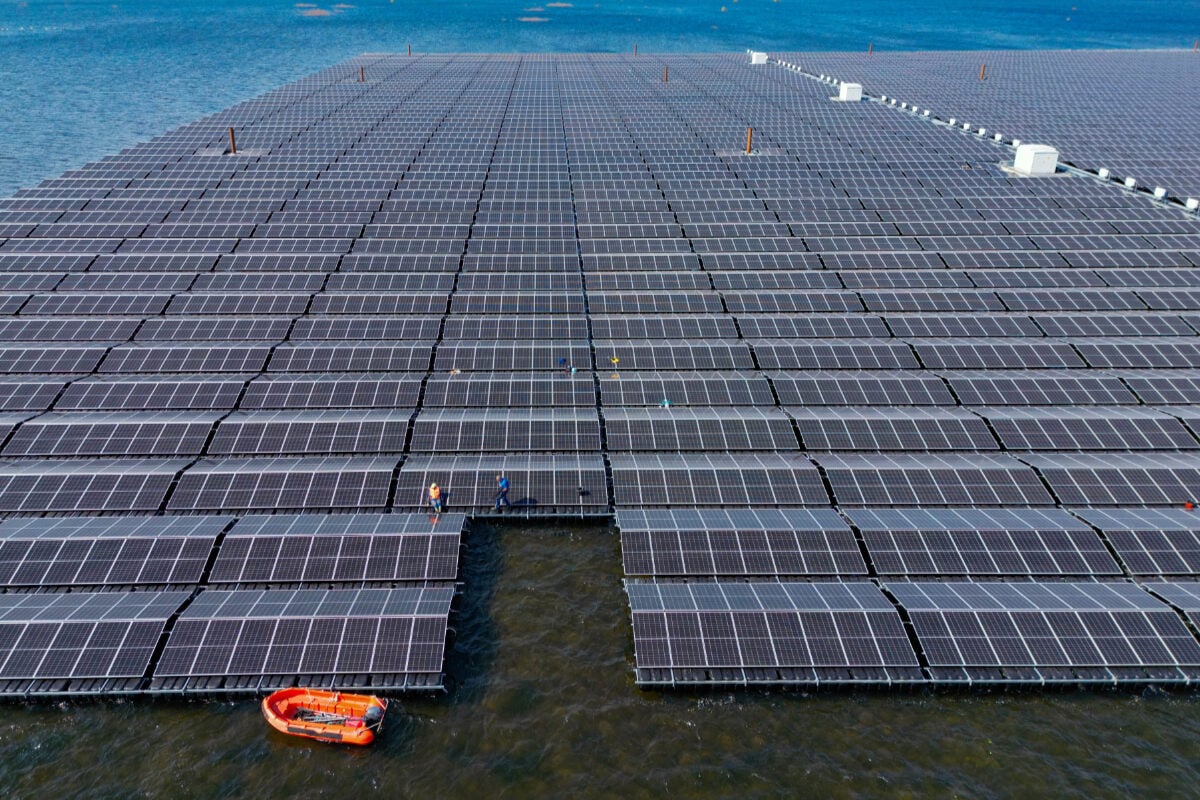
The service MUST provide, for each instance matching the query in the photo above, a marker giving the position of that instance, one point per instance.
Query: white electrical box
(757, 57)
(850, 92)
(1036, 159)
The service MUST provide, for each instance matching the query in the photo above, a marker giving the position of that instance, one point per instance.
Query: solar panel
(510, 430)
(1113, 479)
(324, 432)
(81, 637)
(1060, 631)
(981, 542)
(336, 634)
(737, 542)
(889, 428)
(803, 633)
(284, 483)
(1038, 388)
(1087, 428)
(669, 355)
(716, 479)
(571, 273)
(106, 551)
(856, 354)
(113, 433)
(932, 479)
(1150, 541)
(336, 390)
(852, 388)
(86, 485)
(1185, 595)
(685, 389)
(339, 548)
(674, 429)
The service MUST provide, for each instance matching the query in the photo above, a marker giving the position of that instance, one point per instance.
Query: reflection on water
(543, 704)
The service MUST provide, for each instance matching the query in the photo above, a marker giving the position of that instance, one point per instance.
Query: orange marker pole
(870, 47)
(1196, 45)
(982, 71)
(362, 75)
(635, 49)
(666, 72)
(232, 143)
(749, 139)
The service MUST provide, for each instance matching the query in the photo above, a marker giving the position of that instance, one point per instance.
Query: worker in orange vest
(435, 498)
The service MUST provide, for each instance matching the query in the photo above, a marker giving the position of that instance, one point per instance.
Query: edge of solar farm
(769, 289)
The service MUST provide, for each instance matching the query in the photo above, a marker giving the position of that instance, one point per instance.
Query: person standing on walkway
(502, 484)
(435, 498)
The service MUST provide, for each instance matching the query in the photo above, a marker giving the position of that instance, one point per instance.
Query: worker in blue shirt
(502, 483)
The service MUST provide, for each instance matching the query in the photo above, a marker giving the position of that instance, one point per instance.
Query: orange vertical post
(666, 73)
(362, 74)
(982, 71)
(870, 47)
(749, 139)
(232, 143)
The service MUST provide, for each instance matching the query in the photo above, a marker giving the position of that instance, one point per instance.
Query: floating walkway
(867, 408)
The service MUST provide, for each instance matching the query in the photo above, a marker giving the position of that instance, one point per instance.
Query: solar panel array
(217, 604)
(861, 357)
(1129, 112)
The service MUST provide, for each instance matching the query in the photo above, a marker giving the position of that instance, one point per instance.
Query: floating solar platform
(253, 641)
(1048, 633)
(106, 551)
(981, 542)
(863, 349)
(81, 643)
(775, 633)
(732, 542)
(349, 548)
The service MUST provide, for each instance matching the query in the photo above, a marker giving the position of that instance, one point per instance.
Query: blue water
(83, 78)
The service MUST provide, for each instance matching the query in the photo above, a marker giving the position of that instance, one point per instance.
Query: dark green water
(544, 705)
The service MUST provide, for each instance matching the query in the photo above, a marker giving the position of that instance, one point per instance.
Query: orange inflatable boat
(325, 715)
